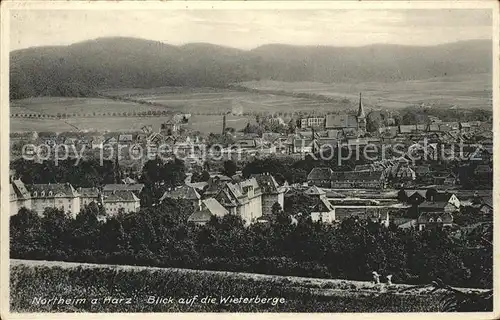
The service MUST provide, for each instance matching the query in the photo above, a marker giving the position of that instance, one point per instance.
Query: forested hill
(82, 68)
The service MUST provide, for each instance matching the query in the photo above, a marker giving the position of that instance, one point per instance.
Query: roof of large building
(214, 207)
(121, 196)
(356, 175)
(20, 189)
(427, 216)
(136, 187)
(341, 121)
(52, 190)
(183, 192)
(267, 183)
(88, 192)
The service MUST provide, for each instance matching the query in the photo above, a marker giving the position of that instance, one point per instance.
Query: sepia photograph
(278, 157)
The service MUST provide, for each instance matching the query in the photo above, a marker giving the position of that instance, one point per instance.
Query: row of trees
(160, 236)
(61, 115)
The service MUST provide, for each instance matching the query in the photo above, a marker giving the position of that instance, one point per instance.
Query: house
(483, 208)
(169, 127)
(246, 143)
(315, 192)
(428, 220)
(209, 208)
(97, 142)
(320, 177)
(448, 179)
(57, 195)
(437, 207)
(305, 145)
(357, 180)
(89, 195)
(215, 185)
(271, 192)
(184, 192)
(416, 197)
(19, 197)
(125, 138)
(243, 199)
(464, 126)
(117, 201)
(311, 122)
(323, 211)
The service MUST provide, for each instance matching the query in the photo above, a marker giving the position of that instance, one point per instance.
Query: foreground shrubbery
(159, 236)
(40, 281)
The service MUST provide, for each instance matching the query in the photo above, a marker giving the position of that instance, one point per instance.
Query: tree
(230, 168)
(374, 121)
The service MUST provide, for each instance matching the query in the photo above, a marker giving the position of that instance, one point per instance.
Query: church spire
(361, 111)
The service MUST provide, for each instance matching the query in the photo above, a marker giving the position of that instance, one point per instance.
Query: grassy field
(202, 123)
(210, 100)
(463, 91)
(34, 280)
(81, 106)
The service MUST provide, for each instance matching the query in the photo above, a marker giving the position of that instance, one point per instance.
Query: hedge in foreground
(115, 289)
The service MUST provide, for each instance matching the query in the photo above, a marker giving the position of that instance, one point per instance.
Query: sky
(251, 28)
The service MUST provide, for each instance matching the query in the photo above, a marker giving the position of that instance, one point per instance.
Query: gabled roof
(323, 173)
(120, 196)
(315, 191)
(20, 189)
(341, 121)
(125, 138)
(183, 192)
(202, 216)
(52, 190)
(88, 192)
(421, 193)
(356, 175)
(426, 216)
(267, 183)
(214, 207)
(323, 206)
(136, 187)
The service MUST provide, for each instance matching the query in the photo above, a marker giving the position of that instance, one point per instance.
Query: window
(439, 220)
(50, 193)
(431, 220)
(35, 194)
(42, 194)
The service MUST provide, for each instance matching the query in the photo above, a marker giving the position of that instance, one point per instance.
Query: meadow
(217, 101)
(202, 123)
(471, 91)
(208, 104)
(31, 281)
(78, 106)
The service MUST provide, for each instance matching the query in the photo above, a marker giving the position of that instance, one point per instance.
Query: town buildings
(38, 197)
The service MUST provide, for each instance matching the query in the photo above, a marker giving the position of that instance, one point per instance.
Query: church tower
(361, 117)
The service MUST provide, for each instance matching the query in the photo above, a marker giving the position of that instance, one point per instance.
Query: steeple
(361, 111)
(361, 118)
